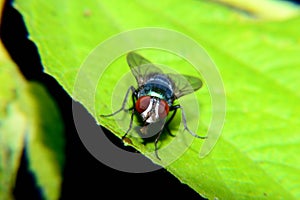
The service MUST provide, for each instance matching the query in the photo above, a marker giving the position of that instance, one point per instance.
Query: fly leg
(131, 88)
(162, 125)
(130, 124)
(155, 144)
(184, 122)
(133, 96)
(169, 121)
(132, 112)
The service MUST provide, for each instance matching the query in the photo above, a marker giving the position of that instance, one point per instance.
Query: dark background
(84, 176)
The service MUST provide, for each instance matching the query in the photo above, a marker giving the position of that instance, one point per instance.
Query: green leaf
(264, 9)
(45, 143)
(11, 136)
(257, 154)
(28, 119)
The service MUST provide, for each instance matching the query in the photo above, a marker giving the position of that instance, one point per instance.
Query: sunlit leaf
(257, 154)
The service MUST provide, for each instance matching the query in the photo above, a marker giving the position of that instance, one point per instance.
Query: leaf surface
(257, 155)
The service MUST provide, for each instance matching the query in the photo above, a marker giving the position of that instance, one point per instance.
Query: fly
(154, 97)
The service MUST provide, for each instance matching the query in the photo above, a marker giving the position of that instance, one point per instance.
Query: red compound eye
(142, 104)
(163, 109)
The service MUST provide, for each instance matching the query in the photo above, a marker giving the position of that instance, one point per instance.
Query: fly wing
(184, 84)
(141, 68)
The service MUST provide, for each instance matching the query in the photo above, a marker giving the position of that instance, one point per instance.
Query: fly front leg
(184, 122)
(130, 124)
(155, 144)
(132, 89)
(169, 121)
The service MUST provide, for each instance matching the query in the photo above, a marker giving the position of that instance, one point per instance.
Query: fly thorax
(158, 86)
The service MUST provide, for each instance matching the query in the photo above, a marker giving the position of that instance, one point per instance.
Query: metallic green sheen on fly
(154, 97)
